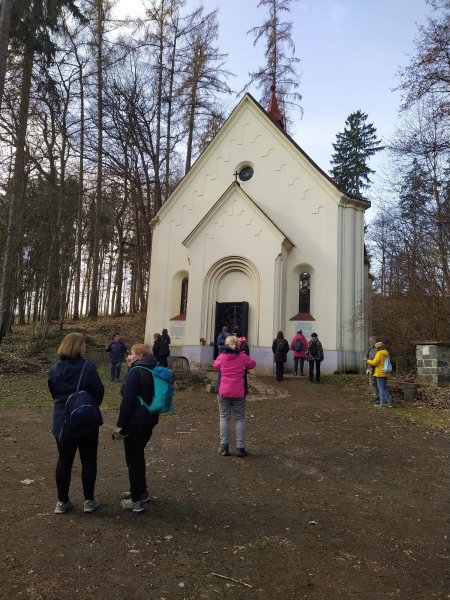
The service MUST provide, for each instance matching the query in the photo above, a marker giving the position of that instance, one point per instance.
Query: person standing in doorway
(242, 340)
(117, 351)
(221, 339)
(370, 355)
(298, 347)
(314, 356)
(280, 349)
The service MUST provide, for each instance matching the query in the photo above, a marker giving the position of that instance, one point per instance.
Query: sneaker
(62, 507)
(389, 406)
(136, 507)
(144, 496)
(223, 450)
(91, 505)
(241, 452)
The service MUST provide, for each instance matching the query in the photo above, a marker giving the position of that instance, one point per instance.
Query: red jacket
(232, 367)
(301, 337)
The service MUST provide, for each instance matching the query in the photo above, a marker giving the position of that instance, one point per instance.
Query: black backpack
(314, 348)
(81, 414)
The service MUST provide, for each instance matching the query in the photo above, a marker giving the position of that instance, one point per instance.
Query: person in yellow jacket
(380, 376)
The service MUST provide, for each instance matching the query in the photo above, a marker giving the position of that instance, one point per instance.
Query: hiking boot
(241, 452)
(91, 505)
(144, 496)
(136, 507)
(223, 450)
(62, 507)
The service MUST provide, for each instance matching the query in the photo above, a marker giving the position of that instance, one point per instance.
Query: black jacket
(138, 382)
(62, 381)
(280, 348)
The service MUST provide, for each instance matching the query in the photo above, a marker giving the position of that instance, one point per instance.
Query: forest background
(101, 117)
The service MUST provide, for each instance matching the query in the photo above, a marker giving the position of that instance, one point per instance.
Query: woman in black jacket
(135, 424)
(280, 348)
(62, 381)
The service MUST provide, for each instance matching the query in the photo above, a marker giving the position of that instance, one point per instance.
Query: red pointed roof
(273, 111)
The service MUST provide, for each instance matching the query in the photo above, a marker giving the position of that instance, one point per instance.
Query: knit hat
(299, 331)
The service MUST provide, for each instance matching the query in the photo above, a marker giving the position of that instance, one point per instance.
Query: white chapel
(257, 235)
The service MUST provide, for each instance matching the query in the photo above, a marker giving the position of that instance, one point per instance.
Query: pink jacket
(299, 336)
(232, 368)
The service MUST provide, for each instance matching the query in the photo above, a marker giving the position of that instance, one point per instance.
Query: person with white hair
(232, 365)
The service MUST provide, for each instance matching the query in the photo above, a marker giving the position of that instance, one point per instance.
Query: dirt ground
(338, 500)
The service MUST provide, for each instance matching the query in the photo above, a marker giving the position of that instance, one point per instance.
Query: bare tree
(279, 72)
(5, 20)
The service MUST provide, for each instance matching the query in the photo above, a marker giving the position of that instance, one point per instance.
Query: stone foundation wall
(433, 362)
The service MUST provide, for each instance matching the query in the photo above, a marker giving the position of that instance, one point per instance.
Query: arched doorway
(231, 297)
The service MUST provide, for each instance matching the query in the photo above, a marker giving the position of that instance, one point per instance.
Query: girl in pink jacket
(232, 365)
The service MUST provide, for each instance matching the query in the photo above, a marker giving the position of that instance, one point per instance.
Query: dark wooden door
(231, 314)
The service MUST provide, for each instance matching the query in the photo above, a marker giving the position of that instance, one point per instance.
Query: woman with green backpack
(135, 423)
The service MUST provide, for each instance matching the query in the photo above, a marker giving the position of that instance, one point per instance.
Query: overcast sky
(350, 52)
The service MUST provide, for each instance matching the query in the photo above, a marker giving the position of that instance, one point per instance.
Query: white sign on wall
(306, 327)
(177, 329)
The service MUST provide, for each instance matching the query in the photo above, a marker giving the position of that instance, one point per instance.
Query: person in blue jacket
(62, 381)
(135, 424)
(117, 351)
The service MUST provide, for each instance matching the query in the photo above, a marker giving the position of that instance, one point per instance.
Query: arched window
(304, 293)
(184, 296)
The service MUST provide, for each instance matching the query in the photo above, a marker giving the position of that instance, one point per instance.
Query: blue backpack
(162, 401)
(298, 345)
(81, 414)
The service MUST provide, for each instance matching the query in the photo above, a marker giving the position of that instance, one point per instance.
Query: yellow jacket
(378, 363)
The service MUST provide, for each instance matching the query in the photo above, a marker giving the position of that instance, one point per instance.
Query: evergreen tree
(352, 150)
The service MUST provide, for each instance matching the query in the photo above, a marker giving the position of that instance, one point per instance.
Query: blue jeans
(115, 370)
(383, 392)
(237, 405)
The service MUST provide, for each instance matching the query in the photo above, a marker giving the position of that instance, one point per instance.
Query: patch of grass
(425, 416)
(32, 391)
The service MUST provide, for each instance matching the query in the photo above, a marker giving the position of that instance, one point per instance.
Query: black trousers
(279, 370)
(302, 362)
(311, 369)
(87, 446)
(135, 458)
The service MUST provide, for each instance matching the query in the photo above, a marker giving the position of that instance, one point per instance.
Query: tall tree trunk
(94, 298)
(76, 299)
(14, 217)
(5, 19)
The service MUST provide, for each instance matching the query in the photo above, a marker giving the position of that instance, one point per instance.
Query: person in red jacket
(298, 347)
(232, 365)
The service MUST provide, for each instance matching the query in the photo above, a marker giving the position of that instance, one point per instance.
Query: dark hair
(116, 333)
(280, 335)
(314, 335)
